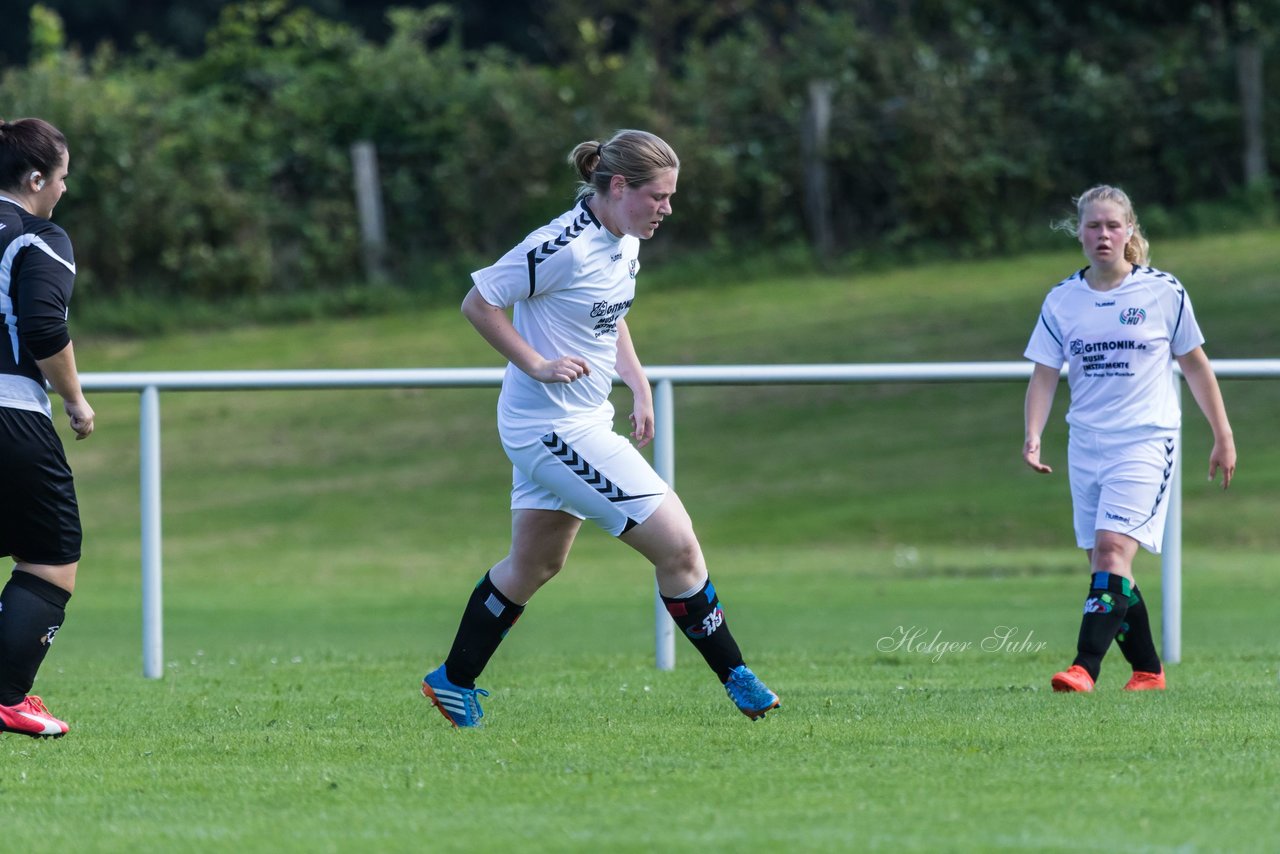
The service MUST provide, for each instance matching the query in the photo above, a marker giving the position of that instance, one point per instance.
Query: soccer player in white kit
(1119, 324)
(569, 286)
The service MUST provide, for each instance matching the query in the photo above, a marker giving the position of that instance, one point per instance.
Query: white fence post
(152, 602)
(1171, 561)
(664, 462)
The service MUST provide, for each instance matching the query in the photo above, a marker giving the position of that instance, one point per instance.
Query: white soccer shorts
(1121, 484)
(588, 471)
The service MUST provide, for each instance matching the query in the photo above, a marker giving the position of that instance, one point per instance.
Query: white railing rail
(150, 384)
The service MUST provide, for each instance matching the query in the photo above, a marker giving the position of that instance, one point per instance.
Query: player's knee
(61, 575)
(682, 556)
(538, 571)
(1110, 555)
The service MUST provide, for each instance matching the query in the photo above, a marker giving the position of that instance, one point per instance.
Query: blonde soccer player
(1118, 325)
(568, 287)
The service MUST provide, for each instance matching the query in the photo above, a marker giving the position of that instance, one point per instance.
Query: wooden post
(813, 146)
(373, 232)
(1252, 108)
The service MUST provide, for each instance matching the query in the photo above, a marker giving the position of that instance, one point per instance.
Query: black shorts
(39, 517)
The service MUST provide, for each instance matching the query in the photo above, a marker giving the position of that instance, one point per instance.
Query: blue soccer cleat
(459, 705)
(749, 694)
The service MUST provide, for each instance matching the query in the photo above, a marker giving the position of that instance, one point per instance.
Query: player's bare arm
(1040, 391)
(1204, 388)
(632, 373)
(495, 326)
(60, 370)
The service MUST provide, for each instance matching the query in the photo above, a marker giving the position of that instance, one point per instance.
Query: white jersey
(1119, 347)
(570, 282)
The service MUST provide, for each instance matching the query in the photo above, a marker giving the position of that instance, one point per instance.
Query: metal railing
(663, 378)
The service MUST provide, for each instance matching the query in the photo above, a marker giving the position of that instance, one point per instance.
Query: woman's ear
(617, 184)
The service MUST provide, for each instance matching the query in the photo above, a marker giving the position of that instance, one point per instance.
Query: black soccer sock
(485, 622)
(31, 612)
(1104, 613)
(702, 621)
(1135, 639)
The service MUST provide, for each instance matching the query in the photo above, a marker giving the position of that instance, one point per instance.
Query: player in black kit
(39, 517)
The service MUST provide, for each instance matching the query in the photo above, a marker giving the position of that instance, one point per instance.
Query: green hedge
(228, 176)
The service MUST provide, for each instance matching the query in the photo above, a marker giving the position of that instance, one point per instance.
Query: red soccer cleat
(1145, 681)
(1074, 678)
(30, 717)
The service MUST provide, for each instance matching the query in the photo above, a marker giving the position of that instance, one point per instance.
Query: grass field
(319, 546)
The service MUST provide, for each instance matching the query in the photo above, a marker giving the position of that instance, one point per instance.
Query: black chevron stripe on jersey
(1161, 274)
(561, 450)
(546, 249)
(1172, 280)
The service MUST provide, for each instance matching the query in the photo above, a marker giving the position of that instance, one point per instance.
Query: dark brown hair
(26, 146)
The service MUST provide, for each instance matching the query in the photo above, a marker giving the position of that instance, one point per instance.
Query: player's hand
(1223, 456)
(565, 369)
(642, 425)
(81, 415)
(1031, 456)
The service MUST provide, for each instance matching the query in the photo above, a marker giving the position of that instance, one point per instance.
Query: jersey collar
(586, 208)
(1133, 269)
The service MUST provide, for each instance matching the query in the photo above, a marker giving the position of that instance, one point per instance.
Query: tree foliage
(228, 173)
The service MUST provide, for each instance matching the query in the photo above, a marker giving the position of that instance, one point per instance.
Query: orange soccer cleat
(1145, 681)
(1074, 678)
